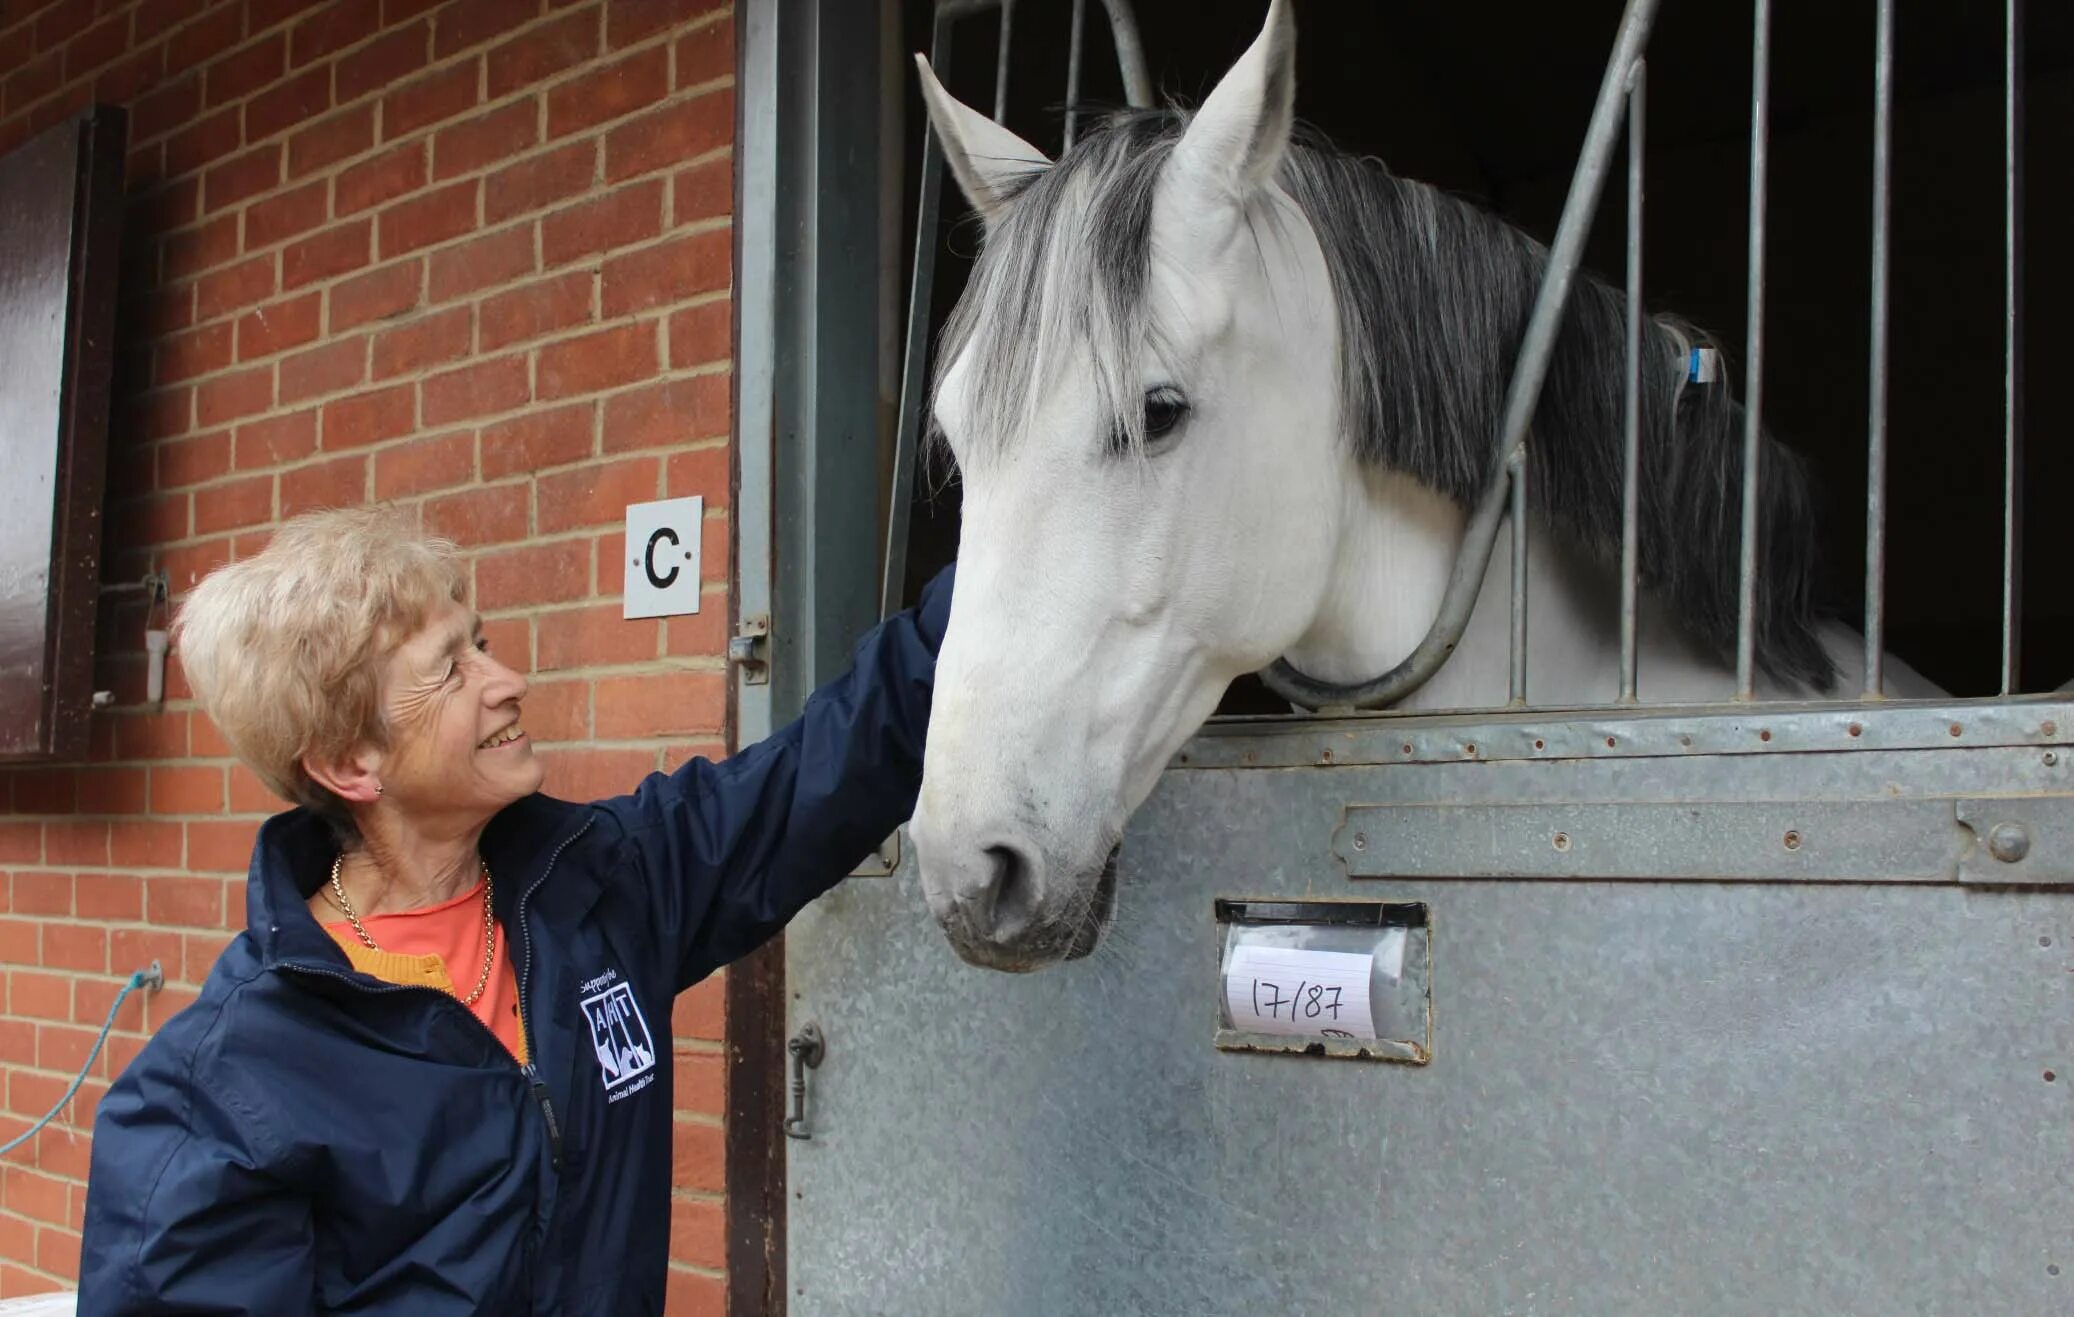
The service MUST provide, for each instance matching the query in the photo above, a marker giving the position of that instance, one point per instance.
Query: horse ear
(985, 158)
(1236, 141)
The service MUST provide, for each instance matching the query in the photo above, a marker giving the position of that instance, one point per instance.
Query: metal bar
(914, 364)
(1876, 410)
(1753, 378)
(1631, 460)
(2013, 347)
(1519, 580)
(1537, 346)
(1001, 61)
(1130, 53)
(1073, 44)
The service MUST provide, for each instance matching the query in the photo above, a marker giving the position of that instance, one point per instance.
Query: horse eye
(1165, 408)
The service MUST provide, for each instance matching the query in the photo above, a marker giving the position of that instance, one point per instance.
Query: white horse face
(1110, 589)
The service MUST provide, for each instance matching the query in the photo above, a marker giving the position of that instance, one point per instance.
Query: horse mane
(1433, 297)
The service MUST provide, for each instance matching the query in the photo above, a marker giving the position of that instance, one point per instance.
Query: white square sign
(662, 558)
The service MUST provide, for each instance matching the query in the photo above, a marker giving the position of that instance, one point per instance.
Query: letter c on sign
(662, 581)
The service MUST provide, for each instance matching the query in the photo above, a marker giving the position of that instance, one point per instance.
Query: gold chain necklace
(489, 924)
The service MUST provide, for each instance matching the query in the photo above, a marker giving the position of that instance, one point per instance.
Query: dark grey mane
(1433, 297)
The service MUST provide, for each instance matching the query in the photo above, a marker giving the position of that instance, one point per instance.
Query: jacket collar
(293, 856)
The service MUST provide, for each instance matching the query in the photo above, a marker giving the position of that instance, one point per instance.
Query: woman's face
(456, 749)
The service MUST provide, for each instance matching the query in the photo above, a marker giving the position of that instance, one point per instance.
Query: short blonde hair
(284, 650)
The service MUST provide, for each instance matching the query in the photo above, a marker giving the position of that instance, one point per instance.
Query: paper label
(1312, 994)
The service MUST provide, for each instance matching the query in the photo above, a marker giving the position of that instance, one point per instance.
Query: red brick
(191, 461)
(60, 24)
(152, 736)
(21, 943)
(331, 367)
(281, 217)
(154, 521)
(668, 272)
(537, 439)
(73, 100)
(112, 896)
(495, 385)
(660, 704)
(217, 848)
(545, 51)
(595, 636)
(593, 774)
(72, 841)
(618, 88)
(234, 287)
(464, 23)
(395, 11)
(325, 255)
(43, 893)
(427, 341)
(704, 191)
(700, 634)
(192, 251)
(700, 335)
(21, 842)
(165, 109)
(98, 46)
(144, 844)
(385, 62)
(202, 950)
(288, 104)
(476, 143)
(111, 791)
(540, 181)
(57, 1251)
(203, 141)
(202, 40)
(184, 902)
(368, 418)
(628, 21)
(439, 461)
(670, 136)
(596, 495)
(601, 360)
(706, 472)
(274, 441)
(228, 397)
(434, 97)
(698, 1157)
(533, 574)
(329, 141)
(163, 415)
(707, 53)
(494, 258)
(331, 29)
(41, 1197)
(199, 352)
(263, 14)
(341, 483)
(247, 71)
(29, 85)
(180, 789)
(492, 515)
(247, 502)
(280, 326)
(617, 219)
(378, 294)
(432, 217)
(701, 1083)
(537, 308)
(558, 711)
(165, 15)
(248, 795)
(76, 947)
(382, 178)
(40, 996)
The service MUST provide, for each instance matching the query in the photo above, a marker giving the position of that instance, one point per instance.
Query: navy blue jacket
(306, 1138)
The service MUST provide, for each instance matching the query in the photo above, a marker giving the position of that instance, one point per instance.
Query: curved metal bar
(1466, 581)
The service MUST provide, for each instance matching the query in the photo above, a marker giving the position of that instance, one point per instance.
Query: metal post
(1073, 44)
(1001, 61)
(1631, 462)
(1876, 411)
(1519, 579)
(2013, 347)
(1753, 378)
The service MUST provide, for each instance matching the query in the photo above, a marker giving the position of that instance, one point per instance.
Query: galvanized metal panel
(1643, 1097)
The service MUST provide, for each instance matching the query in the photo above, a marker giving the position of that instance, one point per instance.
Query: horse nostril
(1014, 887)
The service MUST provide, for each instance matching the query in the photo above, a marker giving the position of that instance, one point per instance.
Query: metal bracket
(883, 860)
(749, 649)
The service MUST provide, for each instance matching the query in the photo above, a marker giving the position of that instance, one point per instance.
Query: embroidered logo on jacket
(619, 1035)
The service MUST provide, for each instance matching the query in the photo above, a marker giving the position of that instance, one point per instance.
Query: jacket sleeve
(730, 851)
(185, 1208)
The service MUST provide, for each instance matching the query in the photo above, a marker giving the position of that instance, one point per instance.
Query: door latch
(749, 649)
(806, 1048)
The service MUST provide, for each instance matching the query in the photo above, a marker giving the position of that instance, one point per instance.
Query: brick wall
(470, 256)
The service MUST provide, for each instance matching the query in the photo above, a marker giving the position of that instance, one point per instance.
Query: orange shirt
(440, 947)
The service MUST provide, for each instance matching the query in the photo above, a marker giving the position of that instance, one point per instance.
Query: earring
(378, 788)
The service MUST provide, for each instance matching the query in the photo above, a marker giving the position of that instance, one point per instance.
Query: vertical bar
(1631, 460)
(1876, 409)
(1130, 54)
(2013, 347)
(1001, 61)
(1519, 579)
(1073, 44)
(1753, 350)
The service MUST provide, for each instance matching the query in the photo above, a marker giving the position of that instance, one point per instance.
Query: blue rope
(151, 976)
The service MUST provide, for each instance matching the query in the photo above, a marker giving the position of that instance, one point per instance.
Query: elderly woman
(432, 1074)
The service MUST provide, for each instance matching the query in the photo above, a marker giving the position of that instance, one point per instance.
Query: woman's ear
(354, 777)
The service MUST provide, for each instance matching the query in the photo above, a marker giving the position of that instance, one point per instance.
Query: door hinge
(749, 649)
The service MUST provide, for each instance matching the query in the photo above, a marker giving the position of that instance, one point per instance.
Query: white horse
(1220, 397)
